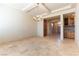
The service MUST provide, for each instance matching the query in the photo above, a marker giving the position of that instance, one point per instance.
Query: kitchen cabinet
(69, 29)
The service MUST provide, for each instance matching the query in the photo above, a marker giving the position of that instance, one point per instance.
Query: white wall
(40, 28)
(15, 24)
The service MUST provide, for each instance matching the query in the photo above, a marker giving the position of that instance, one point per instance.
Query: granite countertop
(69, 28)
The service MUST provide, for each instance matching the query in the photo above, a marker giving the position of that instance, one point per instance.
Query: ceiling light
(30, 6)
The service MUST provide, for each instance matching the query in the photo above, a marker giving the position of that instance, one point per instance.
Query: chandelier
(37, 19)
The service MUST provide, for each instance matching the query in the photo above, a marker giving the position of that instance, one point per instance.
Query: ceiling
(19, 6)
(40, 9)
(51, 6)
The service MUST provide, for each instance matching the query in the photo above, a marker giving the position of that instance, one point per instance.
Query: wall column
(40, 28)
(77, 25)
(61, 27)
(59, 41)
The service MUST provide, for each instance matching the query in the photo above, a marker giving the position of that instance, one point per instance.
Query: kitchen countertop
(69, 28)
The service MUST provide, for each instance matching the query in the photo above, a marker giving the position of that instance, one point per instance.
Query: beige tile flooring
(37, 46)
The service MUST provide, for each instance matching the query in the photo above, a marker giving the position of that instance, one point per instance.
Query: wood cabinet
(70, 21)
(69, 29)
(69, 35)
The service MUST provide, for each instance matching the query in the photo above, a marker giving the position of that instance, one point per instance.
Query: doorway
(52, 27)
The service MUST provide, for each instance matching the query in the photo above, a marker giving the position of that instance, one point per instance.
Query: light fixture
(30, 7)
(37, 18)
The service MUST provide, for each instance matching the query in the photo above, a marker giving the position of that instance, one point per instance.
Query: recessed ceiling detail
(39, 8)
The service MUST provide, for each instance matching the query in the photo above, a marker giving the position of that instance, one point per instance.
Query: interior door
(45, 27)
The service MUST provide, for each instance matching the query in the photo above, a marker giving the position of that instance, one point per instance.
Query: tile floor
(37, 46)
